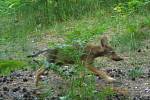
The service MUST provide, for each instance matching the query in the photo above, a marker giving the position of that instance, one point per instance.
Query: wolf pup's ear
(104, 41)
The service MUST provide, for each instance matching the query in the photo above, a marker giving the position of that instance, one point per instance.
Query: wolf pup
(90, 53)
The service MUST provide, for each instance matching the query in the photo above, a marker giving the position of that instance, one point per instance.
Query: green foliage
(82, 88)
(128, 39)
(105, 93)
(131, 6)
(84, 35)
(134, 32)
(37, 13)
(73, 8)
(6, 66)
(20, 18)
(135, 72)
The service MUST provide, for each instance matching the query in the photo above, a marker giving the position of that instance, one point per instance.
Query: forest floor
(133, 74)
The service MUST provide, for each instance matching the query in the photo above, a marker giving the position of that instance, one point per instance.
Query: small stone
(99, 78)
(112, 75)
(16, 89)
(46, 73)
(139, 50)
(135, 87)
(1, 96)
(59, 87)
(30, 75)
(115, 70)
(59, 95)
(27, 95)
(15, 74)
(8, 82)
(149, 75)
(117, 75)
(146, 83)
(25, 80)
(133, 79)
(142, 76)
(109, 70)
(147, 90)
(24, 90)
(43, 78)
(145, 98)
(5, 89)
(11, 80)
(54, 98)
(119, 71)
(123, 74)
(66, 66)
(136, 98)
(4, 79)
(34, 92)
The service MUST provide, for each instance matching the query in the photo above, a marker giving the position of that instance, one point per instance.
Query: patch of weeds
(87, 91)
(135, 72)
(82, 88)
(132, 37)
(6, 66)
(107, 91)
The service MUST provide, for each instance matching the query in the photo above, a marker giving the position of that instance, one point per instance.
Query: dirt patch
(20, 85)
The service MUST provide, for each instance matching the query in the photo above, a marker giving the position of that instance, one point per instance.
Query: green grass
(85, 88)
(135, 72)
(78, 23)
(132, 32)
(6, 66)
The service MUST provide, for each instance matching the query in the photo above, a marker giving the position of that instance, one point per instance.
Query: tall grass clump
(132, 24)
(133, 35)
